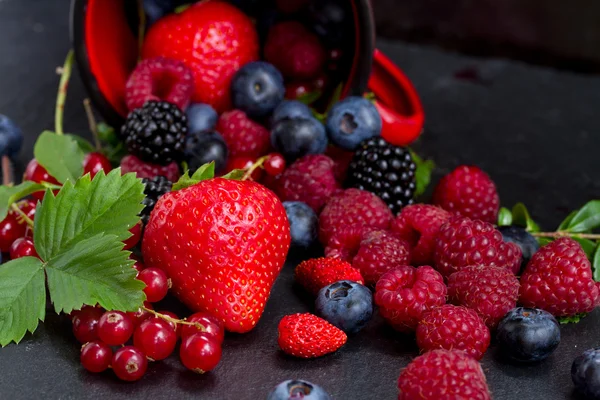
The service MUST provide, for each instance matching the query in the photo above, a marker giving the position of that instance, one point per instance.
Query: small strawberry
(308, 336)
(212, 38)
(317, 273)
(222, 243)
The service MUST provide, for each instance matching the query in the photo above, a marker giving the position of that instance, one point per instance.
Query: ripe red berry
(156, 338)
(243, 162)
(175, 326)
(94, 163)
(213, 326)
(140, 315)
(296, 90)
(36, 173)
(115, 328)
(129, 363)
(157, 284)
(28, 207)
(22, 247)
(136, 232)
(85, 324)
(138, 266)
(10, 230)
(200, 352)
(275, 164)
(96, 356)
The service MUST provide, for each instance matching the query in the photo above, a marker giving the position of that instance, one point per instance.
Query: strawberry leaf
(505, 217)
(60, 155)
(205, 172)
(572, 319)
(107, 134)
(565, 224)
(522, 218)
(596, 264)
(544, 240)
(94, 270)
(235, 175)
(586, 219)
(83, 144)
(22, 299)
(108, 204)
(423, 172)
(11, 194)
(587, 245)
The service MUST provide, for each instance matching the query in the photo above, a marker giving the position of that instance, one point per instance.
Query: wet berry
(85, 324)
(96, 162)
(157, 284)
(156, 338)
(115, 328)
(200, 352)
(275, 164)
(212, 325)
(129, 363)
(96, 356)
(22, 247)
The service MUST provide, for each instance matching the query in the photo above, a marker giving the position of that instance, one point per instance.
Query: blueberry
(201, 117)
(257, 88)
(519, 236)
(345, 304)
(585, 373)
(291, 109)
(11, 137)
(330, 20)
(204, 147)
(304, 223)
(295, 138)
(298, 389)
(351, 121)
(528, 334)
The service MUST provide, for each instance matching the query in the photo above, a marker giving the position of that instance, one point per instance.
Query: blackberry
(155, 188)
(385, 170)
(156, 132)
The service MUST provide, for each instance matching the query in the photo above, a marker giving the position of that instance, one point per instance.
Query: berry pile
(223, 167)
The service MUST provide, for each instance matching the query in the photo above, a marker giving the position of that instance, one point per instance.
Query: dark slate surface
(534, 130)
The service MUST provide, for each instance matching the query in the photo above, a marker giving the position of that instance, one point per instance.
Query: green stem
(65, 73)
(22, 214)
(556, 235)
(92, 122)
(258, 164)
(174, 320)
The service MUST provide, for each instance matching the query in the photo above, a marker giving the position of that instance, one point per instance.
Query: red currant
(115, 328)
(138, 266)
(200, 352)
(175, 326)
(10, 230)
(36, 173)
(243, 162)
(94, 163)
(22, 247)
(85, 324)
(96, 356)
(295, 90)
(136, 232)
(214, 326)
(156, 338)
(129, 363)
(157, 284)
(140, 315)
(275, 164)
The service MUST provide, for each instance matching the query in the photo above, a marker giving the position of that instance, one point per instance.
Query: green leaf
(11, 194)
(505, 217)
(544, 240)
(60, 155)
(522, 218)
(107, 134)
(563, 225)
(205, 172)
(586, 219)
(235, 175)
(22, 298)
(109, 204)
(83, 144)
(596, 264)
(588, 246)
(572, 319)
(94, 270)
(310, 98)
(423, 172)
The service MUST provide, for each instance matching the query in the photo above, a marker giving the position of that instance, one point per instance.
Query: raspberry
(558, 279)
(317, 273)
(345, 243)
(159, 79)
(242, 135)
(419, 224)
(378, 253)
(443, 375)
(490, 291)
(384, 169)
(470, 192)
(154, 189)
(131, 163)
(462, 242)
(156, 132)
(309, 180)
(405, 293)
(453, 328)
(353, 207)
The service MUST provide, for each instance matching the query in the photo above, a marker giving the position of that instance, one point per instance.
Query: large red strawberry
(222, 243)
(214, 39)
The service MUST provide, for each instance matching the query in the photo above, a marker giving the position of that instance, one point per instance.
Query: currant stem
(258, 164)
(559, 234)
(7, 171)
(92, 122)
(22, 214)
(175, 321)
(65, 73)
(141, 27)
